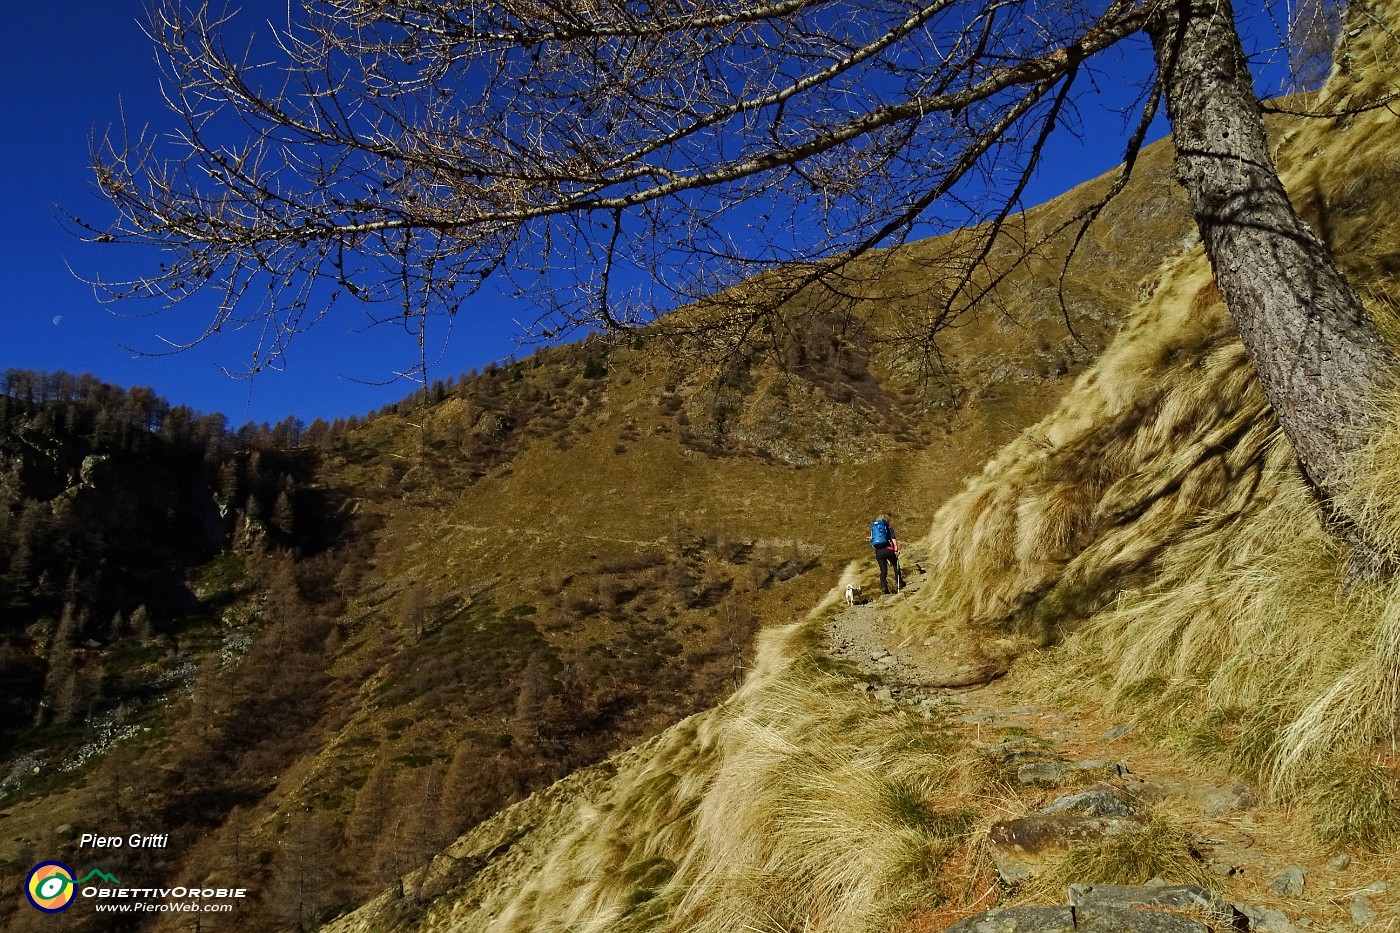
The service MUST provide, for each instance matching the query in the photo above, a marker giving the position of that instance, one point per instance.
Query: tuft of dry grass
(829, 817)
(1248, 644)
(1162, 849)
(1169, 423)
(1356, 800)
(1373, 479)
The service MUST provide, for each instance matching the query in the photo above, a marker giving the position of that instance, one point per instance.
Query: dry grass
(1154, 522)
(1246, 639)
(1158, 521)
(823, 810)
(798, 804)
(819, 812)
(1373, 482)
(1168, 424)
(1163, 849)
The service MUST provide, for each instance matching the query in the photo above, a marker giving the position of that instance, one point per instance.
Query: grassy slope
(568, 565)
(651, 838)
(632, 475)
(1159, 517)
(796, 799)
(1156, 517)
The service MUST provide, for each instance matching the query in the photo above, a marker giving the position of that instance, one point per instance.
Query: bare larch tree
(399, 154)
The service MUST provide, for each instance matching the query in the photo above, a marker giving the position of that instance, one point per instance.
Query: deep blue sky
(69, 70)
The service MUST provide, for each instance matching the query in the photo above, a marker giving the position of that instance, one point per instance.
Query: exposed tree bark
(1320, 357)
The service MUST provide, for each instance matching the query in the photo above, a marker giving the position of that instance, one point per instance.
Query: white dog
(852, 594)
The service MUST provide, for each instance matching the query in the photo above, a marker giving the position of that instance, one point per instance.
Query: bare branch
(402, 153)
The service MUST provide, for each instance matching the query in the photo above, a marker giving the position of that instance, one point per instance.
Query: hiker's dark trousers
(886, 557)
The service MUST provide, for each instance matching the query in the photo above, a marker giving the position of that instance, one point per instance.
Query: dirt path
(1247, 843)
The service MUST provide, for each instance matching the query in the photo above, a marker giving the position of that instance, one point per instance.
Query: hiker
(886, 547)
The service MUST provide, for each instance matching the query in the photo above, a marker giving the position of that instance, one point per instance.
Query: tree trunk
(1321, 359)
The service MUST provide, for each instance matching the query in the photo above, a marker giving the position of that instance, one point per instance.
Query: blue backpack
(879, 533)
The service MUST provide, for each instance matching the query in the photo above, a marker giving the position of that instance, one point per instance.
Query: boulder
(1042, 773)
(1133, 920)
(1018, 920)
(1267, 920)
(969, 672)
(1178, 897)
(1100, 801)
(1020, 751)
(1069, 920)
(1226, 800)
(1054, 773)
(1362, 913)
(1019, 847)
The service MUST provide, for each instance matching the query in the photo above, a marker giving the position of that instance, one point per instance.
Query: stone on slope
(1018, 920)
(1267, 920)
(1070, 920)
(1098, 801)
(1181, 897)
(1290, 881)
(1019, 847)
(1226, 800)
(1135, 920)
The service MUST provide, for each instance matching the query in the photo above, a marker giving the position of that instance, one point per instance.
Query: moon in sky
(57, 320)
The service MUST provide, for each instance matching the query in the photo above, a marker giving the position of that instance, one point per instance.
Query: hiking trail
(1260, 855)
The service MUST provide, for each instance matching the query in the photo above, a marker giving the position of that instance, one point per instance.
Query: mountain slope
(542, 564)
(1154, 523)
